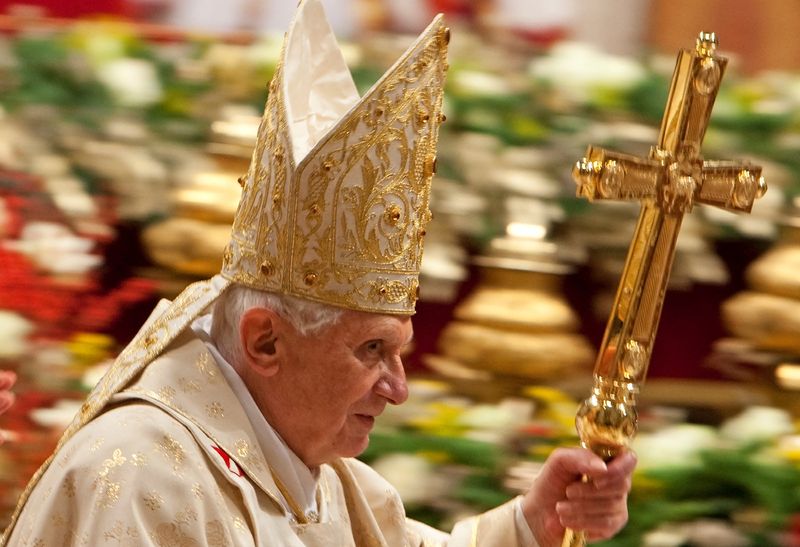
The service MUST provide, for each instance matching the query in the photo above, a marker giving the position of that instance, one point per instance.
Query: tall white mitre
(335, 202)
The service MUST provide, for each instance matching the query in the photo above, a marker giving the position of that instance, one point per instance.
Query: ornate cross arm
(605, 174)
(668, 183)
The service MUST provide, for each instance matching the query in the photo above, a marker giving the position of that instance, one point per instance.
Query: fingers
(600, 519)
(560, 497)
(7, 379)
(598, 506)
(572, 462)
(615, 481)
(593, 491)
(623, 464)
(6, 400)
(606, 506)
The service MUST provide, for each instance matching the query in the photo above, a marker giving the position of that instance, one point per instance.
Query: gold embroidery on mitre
(344, 226)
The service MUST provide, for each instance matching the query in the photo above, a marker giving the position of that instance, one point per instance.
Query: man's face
(330, 387)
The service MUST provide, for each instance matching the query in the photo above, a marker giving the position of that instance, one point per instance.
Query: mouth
(366, 420)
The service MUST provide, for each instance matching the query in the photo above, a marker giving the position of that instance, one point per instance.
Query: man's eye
(374, 346)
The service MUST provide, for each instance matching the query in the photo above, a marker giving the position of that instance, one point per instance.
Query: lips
(366, 420)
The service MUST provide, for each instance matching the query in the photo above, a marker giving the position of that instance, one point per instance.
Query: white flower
(578, 70)
(666, 535)
(414, 477)
(758, 423)
(55, 249)
(674, 445)
(265, 52)
(701, 533)
(94, 374)
(713, 533)
(14, 330)
(480, 84)
(132, 82)
(504, 417)
(58, 416)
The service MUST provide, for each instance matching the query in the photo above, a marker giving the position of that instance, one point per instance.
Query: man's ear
(258, 330)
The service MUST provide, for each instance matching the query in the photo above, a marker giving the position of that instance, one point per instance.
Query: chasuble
(174, 461)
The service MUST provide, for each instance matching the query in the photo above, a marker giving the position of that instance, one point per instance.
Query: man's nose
(392, 384)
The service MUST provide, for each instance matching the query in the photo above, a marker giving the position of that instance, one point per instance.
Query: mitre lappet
(336, 199)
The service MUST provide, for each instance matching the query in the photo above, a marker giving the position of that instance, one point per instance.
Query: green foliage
(480, 490)
(477, 465)
(55, 71)
(647, 515)
(427, 514)
(456, 450)
(723, 483)
(48, 73)
(648, 97)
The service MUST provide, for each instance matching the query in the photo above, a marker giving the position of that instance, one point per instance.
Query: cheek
(359, 388)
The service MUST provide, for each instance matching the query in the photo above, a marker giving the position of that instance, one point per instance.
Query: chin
(355, 447)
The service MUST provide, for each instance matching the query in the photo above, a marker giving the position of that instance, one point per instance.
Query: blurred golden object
(769, 321)
(533, 356)
(542, 309)
(788, 375)
(668, 183)
(186, 245)
(776, 272)
(233, 137)
(516, 324)
(211, 197)
(203, 206)
(765, 319)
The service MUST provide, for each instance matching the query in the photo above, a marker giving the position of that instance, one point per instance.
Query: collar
(298, 484)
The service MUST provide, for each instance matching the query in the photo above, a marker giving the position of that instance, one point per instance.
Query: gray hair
(306, 316)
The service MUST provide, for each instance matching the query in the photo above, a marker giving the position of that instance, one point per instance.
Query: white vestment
(174, 460)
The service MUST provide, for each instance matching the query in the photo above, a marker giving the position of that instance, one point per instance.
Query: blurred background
(124, 125)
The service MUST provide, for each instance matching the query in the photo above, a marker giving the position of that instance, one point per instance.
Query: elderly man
(233, 416)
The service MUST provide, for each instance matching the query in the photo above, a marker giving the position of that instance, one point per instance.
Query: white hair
(306, 316)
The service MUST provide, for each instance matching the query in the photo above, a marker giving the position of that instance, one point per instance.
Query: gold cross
(669, 182)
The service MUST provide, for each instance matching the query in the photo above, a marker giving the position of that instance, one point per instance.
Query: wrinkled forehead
(376, 325)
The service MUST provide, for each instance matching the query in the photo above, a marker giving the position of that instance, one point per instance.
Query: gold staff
(672, 179)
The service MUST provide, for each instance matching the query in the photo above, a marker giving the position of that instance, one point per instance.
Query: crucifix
(668, 183)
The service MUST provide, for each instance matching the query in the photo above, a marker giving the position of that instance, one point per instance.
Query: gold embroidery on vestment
(107, 489)
(189, 386)
(153, 501)
(165, 394)
(215, 534)
(121, 533)
(215, 409)
(172, 450)
(203, 364)
(69, 486)
(169, 534)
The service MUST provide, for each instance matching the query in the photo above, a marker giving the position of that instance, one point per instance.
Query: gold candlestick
(669, 182)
